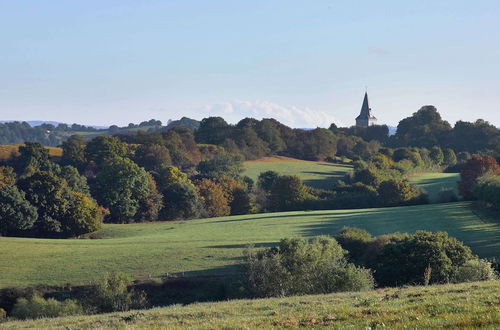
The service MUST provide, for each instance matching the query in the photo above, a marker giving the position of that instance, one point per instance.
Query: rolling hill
(315, 174)
(215, 245)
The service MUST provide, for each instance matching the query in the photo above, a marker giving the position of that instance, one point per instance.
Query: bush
(298, 267)
(475, 270)
(404, 260)
(38, 307)
(487, 189)
(356, 241)
(111, 294)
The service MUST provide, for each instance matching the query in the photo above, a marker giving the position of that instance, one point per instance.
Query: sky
(306, 63)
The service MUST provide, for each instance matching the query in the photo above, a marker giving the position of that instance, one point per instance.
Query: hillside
(215, 245)
(433, 183)
(315, 174)
(470, 305)
(6, 151)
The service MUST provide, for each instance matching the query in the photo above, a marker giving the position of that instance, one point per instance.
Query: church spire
(365, 117)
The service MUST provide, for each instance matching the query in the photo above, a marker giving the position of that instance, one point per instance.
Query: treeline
(54, 135)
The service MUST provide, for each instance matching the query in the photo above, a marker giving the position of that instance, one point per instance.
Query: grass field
(7, 151)
(433, 183)
(214, 246)
(470, 305)
(315, 174)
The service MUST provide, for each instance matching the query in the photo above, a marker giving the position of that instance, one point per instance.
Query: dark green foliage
(181, 201)
(152, 156)
(396, 192)
(437, 155)
(62, 212)
(121, 186)
(241, 202)
(102, 149)
(297, 267)
(424, 128)
(450, 158)
(213, 130)
(74, 151)
(75, 181)
(266, 180)
(368, 176)
(16, 213)
(288, 193)
(222, 164)
(404, 261)
(356, 241)
(33, 157)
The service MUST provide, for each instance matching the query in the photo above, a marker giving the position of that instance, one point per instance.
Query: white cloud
(291, 116)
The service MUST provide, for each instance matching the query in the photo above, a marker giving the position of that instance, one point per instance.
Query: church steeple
(366, 118)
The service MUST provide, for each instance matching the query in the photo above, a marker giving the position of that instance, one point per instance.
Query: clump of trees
(297, 266)
(414, 259)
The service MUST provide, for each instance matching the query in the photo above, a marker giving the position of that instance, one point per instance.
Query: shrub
(297, 267)
(487, 189)
(473, 169)
(475, 270)
(38, 307)
(112, 294)
(404, 260)
(396, 192)
(356, 241)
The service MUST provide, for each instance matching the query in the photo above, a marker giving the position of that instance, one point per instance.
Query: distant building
(366, 118)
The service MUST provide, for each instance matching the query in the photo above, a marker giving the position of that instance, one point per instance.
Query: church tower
(366, 118)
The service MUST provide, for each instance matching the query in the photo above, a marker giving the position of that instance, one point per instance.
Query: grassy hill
(315, 174)
(433, 183)
(214, 246)
(470, 305)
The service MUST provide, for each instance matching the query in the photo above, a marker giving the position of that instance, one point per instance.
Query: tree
(404, 261)
(266, 180)
(102, 149)
(181, 201)
(16, 213)
(396, 192)
(355, 241)
(121, 186)
(74, 151)
(474, 168)
(437, 155)
(75, 181)
(487, 189)
(288, 193)
(7, 176)
(213, 197)
(450, 159)
(52, 197)
(424, 128)
(222, 164)
(83, 215)
(152, 156)
(297, 267)
(62, 212)
(33, 157)
(241, 202)
(213, 130)
(368, 176)
(168, 175)
(150, 204)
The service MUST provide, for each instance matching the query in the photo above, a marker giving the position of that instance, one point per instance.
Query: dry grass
(9, 151)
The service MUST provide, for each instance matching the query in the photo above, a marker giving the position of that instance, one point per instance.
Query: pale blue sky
(304, 62)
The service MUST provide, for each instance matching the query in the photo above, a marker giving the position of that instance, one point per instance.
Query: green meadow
(320, 175)
(215, 245)
(453, 306)
(433, 183)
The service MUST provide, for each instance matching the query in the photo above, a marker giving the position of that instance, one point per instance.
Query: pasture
(433, 183)
(214, 246)
(7, 151)
(320, 175)
(452, 306)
